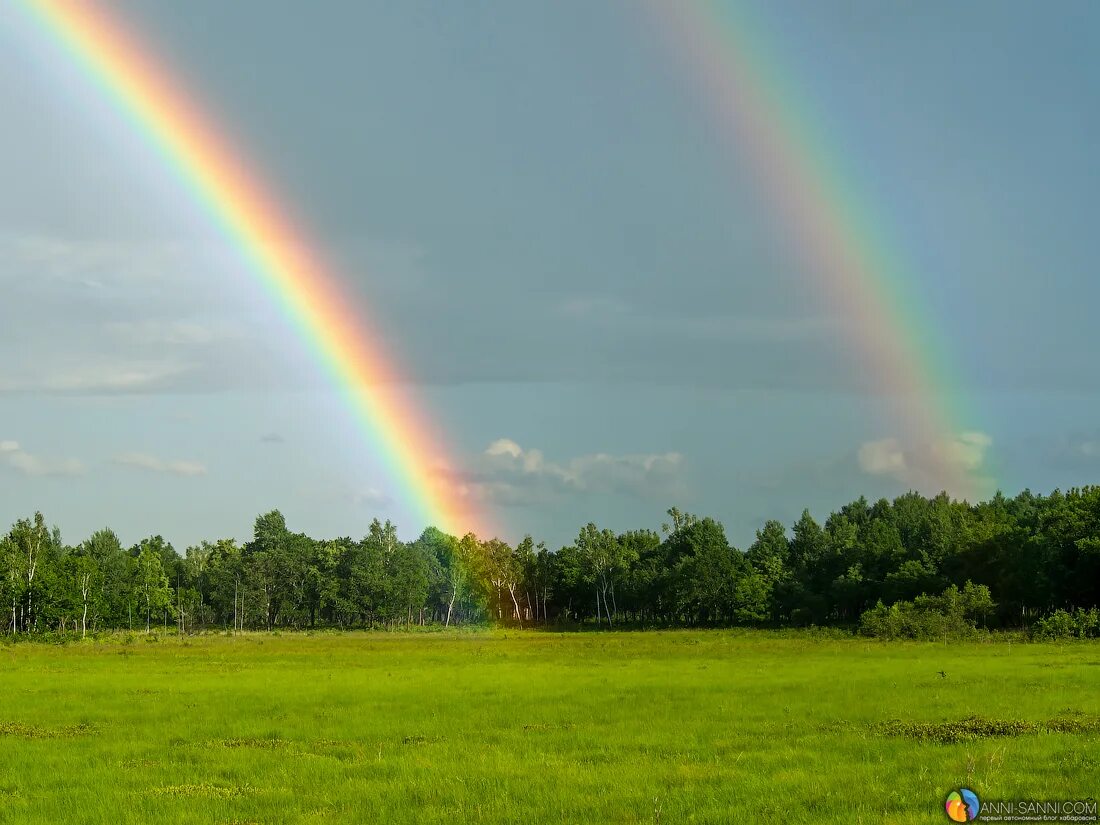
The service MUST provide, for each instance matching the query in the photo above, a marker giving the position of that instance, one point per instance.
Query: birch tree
(31, 541)
(151, 581)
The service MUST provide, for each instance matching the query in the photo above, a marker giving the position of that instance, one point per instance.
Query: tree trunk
(450, 607)
(84, 582)
(515, 604)
(32, 566)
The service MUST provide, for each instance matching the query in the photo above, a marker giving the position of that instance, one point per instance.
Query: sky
(534, 208)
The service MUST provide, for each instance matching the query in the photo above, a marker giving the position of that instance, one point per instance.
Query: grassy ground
(535, 727)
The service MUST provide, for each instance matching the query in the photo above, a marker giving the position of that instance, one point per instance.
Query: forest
(911, 567)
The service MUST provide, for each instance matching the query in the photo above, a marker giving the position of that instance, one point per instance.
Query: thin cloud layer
(29, 464)
(145, 461)
(95, 317)
(372, 498)
(105, 317)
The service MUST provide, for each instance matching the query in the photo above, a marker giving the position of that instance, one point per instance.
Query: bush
(1080, 624)
(953, 613)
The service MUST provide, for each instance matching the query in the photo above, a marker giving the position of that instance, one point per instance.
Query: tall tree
(150, 580)
(603, 558)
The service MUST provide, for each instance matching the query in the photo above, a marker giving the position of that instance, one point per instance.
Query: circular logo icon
(962, 805)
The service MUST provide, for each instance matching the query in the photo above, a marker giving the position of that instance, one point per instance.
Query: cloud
(1075, 452)
(966, 450)
(144, 461)
(922, 466)
(1088, 449)
(94, 264)
(272, 438)
(95, 376)
(509, 474)
(14, 456)
(115, 316)
(174, 332)
(372, 497)
(86, 316)
(883, 457)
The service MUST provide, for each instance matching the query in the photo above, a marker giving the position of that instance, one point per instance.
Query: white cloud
(504, 446)
(14, 456)
(99, 317)
(882, 457)
(112, 376)
(923, 466)
(151, 331)
(93, 264)
(507, 473)
(145, 461)
(966, 450)
(372, 497)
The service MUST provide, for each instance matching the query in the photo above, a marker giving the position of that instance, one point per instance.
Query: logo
(962, 805)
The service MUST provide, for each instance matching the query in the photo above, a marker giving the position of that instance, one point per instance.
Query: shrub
(1080, 624)
(953, 613)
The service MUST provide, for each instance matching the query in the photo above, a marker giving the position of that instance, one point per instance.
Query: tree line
(884, 566)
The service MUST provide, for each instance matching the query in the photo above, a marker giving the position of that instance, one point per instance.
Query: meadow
(535, 727)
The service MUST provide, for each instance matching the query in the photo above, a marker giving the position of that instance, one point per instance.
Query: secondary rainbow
(291, 268)
(758, 110)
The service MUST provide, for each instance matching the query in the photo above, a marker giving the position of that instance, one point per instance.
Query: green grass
(526, 727)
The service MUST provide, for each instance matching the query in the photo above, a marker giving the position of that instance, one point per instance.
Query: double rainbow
(759, 112)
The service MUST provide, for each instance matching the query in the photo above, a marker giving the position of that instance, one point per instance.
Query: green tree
(30, 551)
(706, 569)
(150, 580)
(106, 550)
(751, 598)
(83, 580)
(603, 559)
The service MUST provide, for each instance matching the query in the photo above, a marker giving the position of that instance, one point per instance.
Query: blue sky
(531, 203)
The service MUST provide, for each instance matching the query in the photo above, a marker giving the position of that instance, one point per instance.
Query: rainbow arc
(281, 258)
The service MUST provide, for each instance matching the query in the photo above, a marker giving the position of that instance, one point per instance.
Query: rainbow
(758, 111)
(280, 257)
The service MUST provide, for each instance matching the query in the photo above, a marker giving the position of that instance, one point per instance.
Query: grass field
(530, 727)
